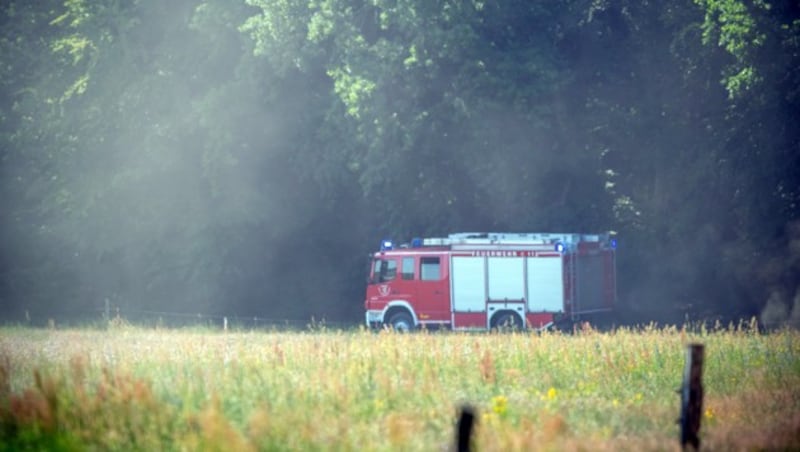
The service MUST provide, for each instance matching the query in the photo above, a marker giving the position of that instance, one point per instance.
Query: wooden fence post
(692, 396)
(464, 429)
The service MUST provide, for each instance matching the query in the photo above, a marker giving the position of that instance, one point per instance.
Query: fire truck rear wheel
(507, 321)
(401, 322)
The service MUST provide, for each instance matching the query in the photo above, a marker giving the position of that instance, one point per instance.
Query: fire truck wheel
(507, 321)
(401, 322)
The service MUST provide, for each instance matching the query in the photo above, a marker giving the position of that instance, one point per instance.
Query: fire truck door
(433, 290)
(396, 279)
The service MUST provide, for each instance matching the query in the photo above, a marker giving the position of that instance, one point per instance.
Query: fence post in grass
(464, 429)
(692, 396)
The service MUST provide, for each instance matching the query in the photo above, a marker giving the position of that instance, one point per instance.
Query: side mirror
(370, 279)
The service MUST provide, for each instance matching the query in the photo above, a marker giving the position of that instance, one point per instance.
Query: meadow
(128, 388)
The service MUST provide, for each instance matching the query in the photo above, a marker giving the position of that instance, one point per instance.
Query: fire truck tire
(401, 322)
(507, 321)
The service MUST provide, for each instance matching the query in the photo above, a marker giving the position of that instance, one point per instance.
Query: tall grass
(129, 388)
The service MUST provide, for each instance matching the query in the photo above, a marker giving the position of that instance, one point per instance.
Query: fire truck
(481, 281)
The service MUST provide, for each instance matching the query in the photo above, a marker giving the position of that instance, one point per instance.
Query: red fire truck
(491, 280)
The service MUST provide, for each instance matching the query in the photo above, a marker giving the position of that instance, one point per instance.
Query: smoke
(779, 311)
(782, 307)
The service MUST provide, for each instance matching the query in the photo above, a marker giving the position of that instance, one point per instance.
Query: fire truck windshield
(384, 270)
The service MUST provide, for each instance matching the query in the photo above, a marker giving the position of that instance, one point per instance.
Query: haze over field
(243, 158)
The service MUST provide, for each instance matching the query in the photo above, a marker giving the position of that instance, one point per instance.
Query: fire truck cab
(490, 280)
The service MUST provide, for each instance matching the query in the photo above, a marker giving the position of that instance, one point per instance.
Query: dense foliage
(244, 157)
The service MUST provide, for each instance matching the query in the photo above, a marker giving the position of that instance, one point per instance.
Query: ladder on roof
(526, 237)
(521, 238)
(516, 237)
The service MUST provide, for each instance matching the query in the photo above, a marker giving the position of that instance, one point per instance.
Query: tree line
(245, 157)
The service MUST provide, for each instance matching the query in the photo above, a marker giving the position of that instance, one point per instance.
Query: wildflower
(551, 393)
(709, 413)
(500, 405)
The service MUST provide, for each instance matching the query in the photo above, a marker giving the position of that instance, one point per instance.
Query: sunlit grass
(129, 388)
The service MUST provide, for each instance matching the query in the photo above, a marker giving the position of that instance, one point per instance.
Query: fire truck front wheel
(401, 322)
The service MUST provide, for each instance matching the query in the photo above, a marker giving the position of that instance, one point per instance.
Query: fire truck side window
(408, 268)
(429, 269)
(388, 270)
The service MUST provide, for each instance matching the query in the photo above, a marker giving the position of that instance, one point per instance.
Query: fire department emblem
(383, 289)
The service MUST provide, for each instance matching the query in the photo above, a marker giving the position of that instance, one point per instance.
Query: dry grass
(129, 388)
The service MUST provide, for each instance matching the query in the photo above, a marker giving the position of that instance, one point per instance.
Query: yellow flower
(709, 413)
(500, 404)
(551, 393)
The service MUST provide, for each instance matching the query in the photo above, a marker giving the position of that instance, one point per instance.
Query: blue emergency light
(416, 242)
(386, 245)
(613, 244)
